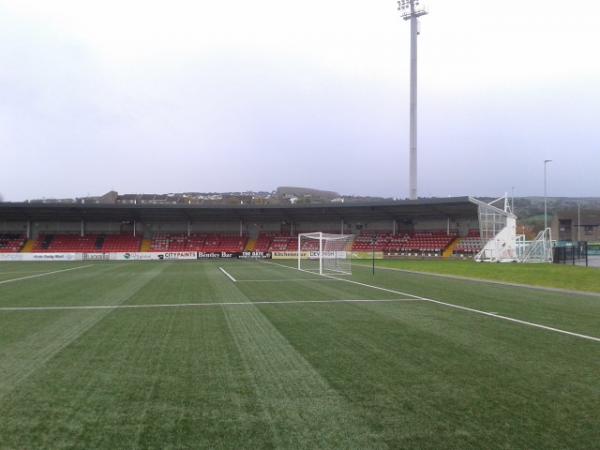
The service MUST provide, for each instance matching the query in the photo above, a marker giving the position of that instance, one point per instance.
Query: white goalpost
(325, 253)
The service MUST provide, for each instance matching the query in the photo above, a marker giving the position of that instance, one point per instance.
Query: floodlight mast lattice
(412, 10)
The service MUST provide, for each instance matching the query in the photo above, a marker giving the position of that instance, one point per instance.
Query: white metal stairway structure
(498, 231)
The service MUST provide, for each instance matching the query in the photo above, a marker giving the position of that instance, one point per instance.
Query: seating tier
(91, 243)
(11, 242)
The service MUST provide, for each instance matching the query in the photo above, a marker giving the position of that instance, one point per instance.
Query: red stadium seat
(91, 243)
(11, 242)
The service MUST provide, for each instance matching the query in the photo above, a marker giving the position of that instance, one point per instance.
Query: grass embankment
(545, 275)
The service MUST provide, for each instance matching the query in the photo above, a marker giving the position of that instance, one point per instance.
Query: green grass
(235, 373)
(544, 275)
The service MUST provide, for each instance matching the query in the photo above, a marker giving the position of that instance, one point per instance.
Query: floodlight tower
(546, 161)
(412, 10)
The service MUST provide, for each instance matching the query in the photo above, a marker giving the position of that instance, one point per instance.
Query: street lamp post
(512, 200)
(546, 161)
(412, 10)
(578, 221)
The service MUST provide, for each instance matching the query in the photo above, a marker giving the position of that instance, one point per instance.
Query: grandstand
(461, 227)
(422, 228)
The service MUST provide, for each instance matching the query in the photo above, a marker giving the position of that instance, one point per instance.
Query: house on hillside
(576, 225)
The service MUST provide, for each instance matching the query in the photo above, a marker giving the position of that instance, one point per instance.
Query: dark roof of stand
(399, 210)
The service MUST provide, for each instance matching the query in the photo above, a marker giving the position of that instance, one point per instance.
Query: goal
(325, 253)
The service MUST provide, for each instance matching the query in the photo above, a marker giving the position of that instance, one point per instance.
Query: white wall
(229, 227)
(103, 227)
(386, 226)
(233, 226)
(38, 228)
(13, 227)
(326, 226)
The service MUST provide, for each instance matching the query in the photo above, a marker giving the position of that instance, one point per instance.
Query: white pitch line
(227, 274)
(212, 304)
(463, 308)
(283, 280)
(4, 272)
(510, 319)
(44, 274)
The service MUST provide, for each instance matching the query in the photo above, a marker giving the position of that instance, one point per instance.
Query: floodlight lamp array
(411, 8)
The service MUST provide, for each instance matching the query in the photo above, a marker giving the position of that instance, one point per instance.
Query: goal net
(325, 253)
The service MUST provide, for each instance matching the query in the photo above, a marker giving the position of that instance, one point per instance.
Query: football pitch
(255, 354)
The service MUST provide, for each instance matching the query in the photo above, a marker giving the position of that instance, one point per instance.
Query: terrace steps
(28, 247)
(250, 245)
(146, 245)
(449, 251)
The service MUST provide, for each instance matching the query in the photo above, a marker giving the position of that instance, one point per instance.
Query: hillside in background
(530, 210)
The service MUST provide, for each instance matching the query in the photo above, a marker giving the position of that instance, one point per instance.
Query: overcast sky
(170, 96)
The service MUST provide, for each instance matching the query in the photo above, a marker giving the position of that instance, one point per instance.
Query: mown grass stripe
(303, 410)
(300, 407)
(12, 280)
(20, 359)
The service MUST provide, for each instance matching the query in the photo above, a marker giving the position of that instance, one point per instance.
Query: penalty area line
(227, 274)
(282, 280)
(212, 304)
(463, 308)
(44, 274)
